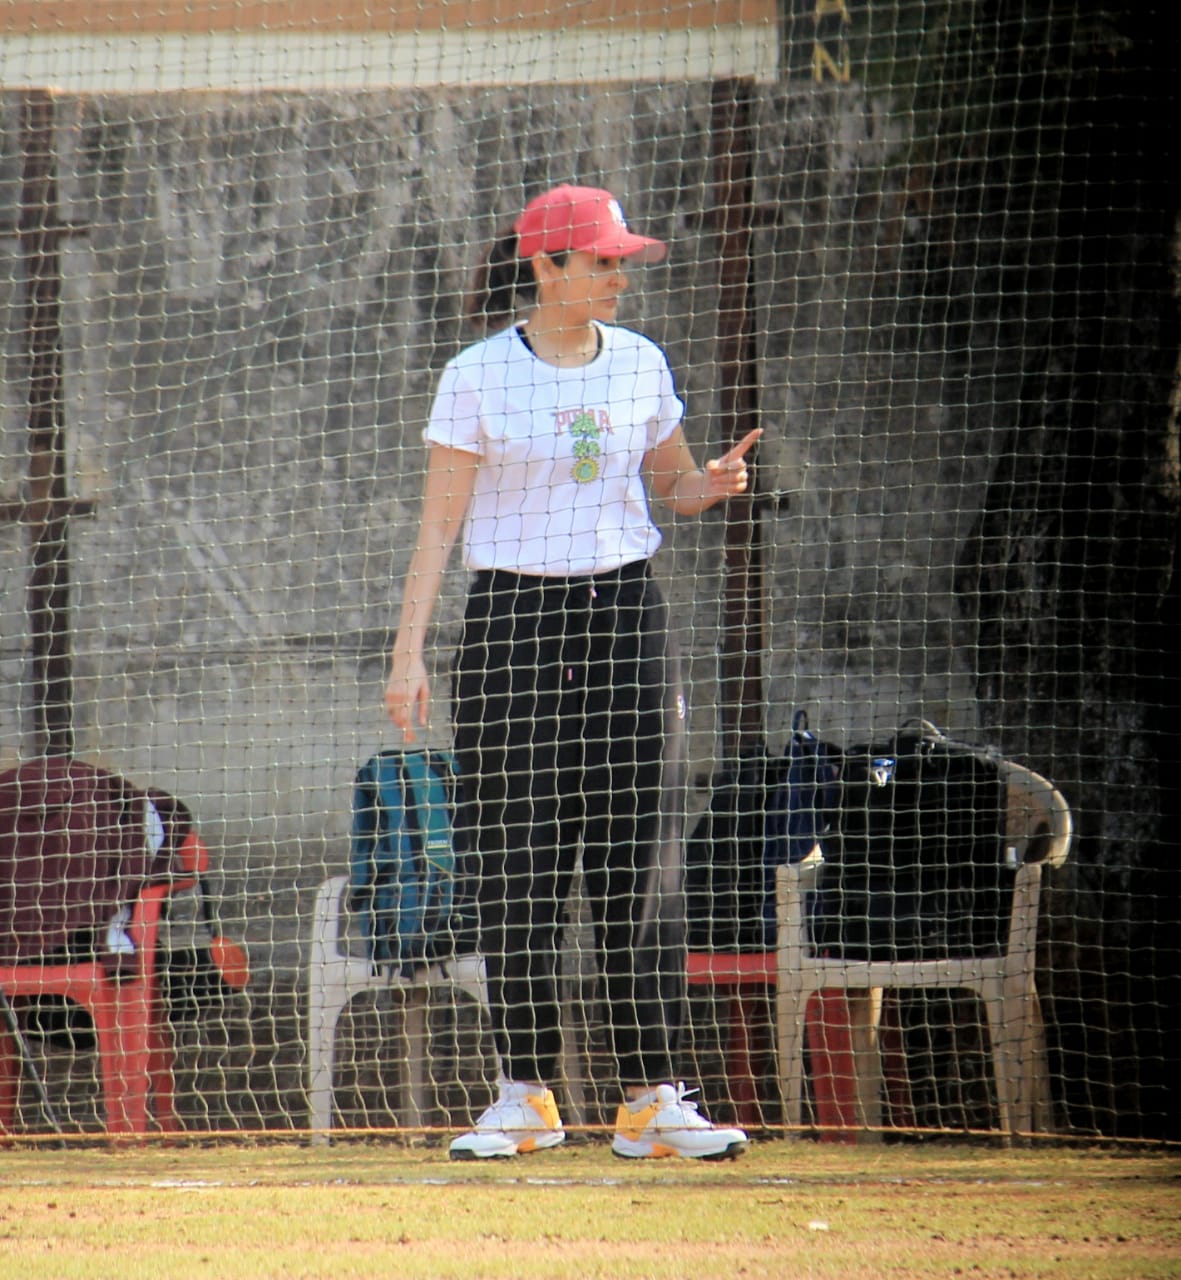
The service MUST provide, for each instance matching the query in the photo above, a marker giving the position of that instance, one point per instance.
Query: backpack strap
(430, 812)
(366, 799)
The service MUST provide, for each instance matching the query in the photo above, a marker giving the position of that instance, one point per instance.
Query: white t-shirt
(559, 489)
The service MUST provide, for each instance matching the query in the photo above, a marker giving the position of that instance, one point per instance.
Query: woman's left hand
(727, 476)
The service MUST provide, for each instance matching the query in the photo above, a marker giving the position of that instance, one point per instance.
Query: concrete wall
(254, 319)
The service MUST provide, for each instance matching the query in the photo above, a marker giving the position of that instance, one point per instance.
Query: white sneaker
(523, 1118)
(664, 1123)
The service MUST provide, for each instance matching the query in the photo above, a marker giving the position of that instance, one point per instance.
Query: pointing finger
(742, 447)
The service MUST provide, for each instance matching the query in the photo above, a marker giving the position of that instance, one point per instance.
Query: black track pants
(570, 733)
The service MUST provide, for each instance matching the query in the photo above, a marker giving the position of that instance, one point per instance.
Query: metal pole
(743, 717)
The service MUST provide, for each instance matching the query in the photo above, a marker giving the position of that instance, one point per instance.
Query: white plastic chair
(336, 977)
(1038, 834)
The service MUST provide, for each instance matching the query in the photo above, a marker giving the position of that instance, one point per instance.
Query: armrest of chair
(1039, 823)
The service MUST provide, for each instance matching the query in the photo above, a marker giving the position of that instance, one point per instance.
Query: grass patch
(788, 1209)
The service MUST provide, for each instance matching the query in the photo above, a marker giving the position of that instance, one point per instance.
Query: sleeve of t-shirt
(455, 414)
(672, 408)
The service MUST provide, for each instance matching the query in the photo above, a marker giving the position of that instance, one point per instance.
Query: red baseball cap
(581, 218)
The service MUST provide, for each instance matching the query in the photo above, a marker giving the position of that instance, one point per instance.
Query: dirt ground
(787, 1209)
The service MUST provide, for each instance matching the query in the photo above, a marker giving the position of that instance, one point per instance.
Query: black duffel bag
(914, 865)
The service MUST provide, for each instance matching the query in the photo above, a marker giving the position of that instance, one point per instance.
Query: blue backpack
(764, 811)
(801, 810)
(405, 862)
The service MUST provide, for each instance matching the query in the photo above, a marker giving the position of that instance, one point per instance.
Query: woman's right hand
(408, 693)
(450, 478)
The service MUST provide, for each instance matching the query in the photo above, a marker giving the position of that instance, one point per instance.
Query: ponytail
(503, 283)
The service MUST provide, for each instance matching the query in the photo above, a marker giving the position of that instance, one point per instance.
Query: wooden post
(742, 697)
(46, 507)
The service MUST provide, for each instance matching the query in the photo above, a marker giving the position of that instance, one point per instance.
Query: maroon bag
(73, 851)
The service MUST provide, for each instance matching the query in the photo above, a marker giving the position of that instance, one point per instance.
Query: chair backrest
(74, 848)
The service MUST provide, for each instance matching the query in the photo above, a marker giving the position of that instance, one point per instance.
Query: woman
(546, 439)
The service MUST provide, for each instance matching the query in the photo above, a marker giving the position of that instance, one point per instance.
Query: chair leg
(1042, 1103)
(328, 994)
(791, 1000)
(1006, 1057)
(415, 1008)
(162, 1056)
(10, 1077)
(121, 1028)
(1021, 1014)
(865, 1016)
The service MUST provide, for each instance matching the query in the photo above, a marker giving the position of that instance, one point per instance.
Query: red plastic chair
(134, 1042)
(134, 1039)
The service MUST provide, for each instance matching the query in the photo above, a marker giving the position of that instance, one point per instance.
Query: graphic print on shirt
(584, 431)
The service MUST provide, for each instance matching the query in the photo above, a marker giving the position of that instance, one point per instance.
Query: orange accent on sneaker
(545, 1107)
(631, 1124)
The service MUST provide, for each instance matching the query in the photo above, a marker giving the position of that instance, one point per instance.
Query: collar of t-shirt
(529, 346)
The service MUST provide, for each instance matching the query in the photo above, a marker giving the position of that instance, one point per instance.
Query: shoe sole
(465, 1153)
(731, 1152)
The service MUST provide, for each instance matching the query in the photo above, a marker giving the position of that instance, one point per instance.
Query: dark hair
(503, 281)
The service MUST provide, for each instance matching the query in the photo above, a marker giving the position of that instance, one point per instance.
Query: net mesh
(926, 245)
